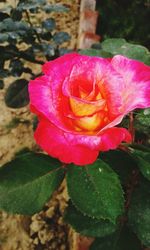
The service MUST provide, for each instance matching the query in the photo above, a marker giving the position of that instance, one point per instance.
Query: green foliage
(124, 18)
(17, 94)
(86, 225)
(95, 52)
(139, 212)
(115, 46)
(61, 37)
(121, 240)
(121, 162)
(28, 181)
(1, 84)
(95, 190)
(120, 46)
(142, 159)
(40, 40)
(142, 121)
(35, 5)
(49, 24)
(144, 117)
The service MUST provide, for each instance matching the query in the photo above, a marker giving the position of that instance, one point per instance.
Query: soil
(45, 230)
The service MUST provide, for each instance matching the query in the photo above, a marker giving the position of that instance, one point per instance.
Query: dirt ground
(45, 230)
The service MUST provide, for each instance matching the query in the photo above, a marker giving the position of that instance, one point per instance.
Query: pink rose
(80, 99)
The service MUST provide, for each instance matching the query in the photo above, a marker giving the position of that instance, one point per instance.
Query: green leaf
(55, 7)
(139, 147)
(16, 67)
(9, 25)
(49, 24)
(120, 46)
(3, 16)
(95, 52)
(121, 162)
(3, 37)
(142, 121)
(28, 5)
(48, 49)
(17, 94)
(4, 73)
(95, 190)
(112, 45)
(125, 241)
(139, 212)
(86, 225)
(16, 15)
(61, 37)
(28, 181)
(142, 159)
(1, 84)
(46, 36)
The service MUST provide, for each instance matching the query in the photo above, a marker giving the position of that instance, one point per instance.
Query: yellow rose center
(89, 109)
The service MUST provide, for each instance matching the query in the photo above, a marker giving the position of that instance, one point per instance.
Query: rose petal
(53, 141)
(136, 75)
(46, 91)
(64, 61)
(112, 137)
(42, 103)
(81, 107)
(79, 149)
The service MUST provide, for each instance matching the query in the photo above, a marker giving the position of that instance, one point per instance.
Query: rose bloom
(79, 101)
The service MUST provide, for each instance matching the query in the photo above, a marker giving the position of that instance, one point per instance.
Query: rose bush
(79, 101)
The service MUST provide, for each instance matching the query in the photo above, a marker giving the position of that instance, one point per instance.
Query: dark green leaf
(22, 152)
(120, 46)
(96, 46)
(16, 15)
(124, 240)
(1, 84)
(30, 5)
(48, 49)
(113, 45)
(49, 24)
(35, 122)
(3, 16)
(3, 37)
(27, 70)
(12, 37)
(139, 212)
(8, 52)
(61, 37)
(86, 225)
(15, 63)
(17, 94)
(9, 25)
(46, 36)
(121, 162)
(144, 116)
(55, 7)
(142, 121)
(27, 182)
(16, 67)
(139, 147)
(95, 52)
(63, 51)
(4, 73)
(95, 190)
(142, 159)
